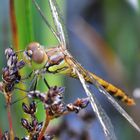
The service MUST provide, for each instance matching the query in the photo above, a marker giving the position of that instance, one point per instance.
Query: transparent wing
(46, 21)
(109, 97)
(57, 22)
(114, 103)
(60, 33)
(99, 111)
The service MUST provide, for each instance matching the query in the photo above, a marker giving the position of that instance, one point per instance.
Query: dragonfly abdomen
(113, 90)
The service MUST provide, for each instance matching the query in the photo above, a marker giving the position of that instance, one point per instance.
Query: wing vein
(115, 104)
(99, 111)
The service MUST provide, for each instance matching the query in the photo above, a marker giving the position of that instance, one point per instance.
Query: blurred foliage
(122, 30)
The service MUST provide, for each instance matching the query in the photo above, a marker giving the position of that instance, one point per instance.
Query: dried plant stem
(45, 125)
(0, 133)
(13, 24)
(8, 101)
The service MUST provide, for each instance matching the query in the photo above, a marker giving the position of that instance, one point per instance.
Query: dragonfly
(58, 60)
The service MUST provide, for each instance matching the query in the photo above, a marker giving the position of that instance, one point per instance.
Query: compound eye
(33, 46)
(39, 56)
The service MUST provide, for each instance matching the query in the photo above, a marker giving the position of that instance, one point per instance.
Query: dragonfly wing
(115, 104)
(57, 23)
(46, 21)
(99, 111)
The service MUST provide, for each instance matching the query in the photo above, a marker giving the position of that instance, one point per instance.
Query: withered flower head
(78, 105)
(31, 109)
(10, 73)
(5, 136)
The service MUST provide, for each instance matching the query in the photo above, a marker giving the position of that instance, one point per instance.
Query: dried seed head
(55, 110)
(10, 73)
(31, 109)
(39, 127)
(48, 137)
(25, 108)
(36, 126)
(26, 124)
(34, 123)
(8, 52)
(20, 64)
(73, 108)
(82, 103)
(5, 136)
(78, 105)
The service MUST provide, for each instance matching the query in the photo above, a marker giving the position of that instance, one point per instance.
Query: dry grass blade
(62, 20)
(57, 23)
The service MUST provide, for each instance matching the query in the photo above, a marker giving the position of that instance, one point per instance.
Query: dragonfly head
(35, 55)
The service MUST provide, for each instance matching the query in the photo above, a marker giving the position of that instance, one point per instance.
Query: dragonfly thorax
(57, 61)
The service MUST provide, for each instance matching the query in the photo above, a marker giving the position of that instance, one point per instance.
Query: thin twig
(46, 123)
(8, 101)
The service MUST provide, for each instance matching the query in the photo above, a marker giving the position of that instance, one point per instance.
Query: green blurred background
(103, 36)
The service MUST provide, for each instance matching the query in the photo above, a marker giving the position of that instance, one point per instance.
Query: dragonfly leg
(36, 79)
(33, 83)
(28, 76)
(46, 83)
